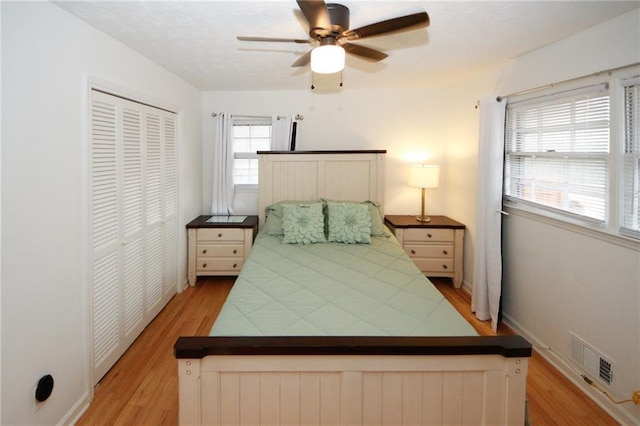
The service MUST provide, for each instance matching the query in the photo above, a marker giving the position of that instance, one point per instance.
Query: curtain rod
(297, 116)
(547, 86)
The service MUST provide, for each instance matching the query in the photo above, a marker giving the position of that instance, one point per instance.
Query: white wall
(557, 280)
(409, 123)
(46, 54)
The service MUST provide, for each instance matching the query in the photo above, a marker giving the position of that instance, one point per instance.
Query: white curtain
(281, 133)
(222, 197)
(487, 270)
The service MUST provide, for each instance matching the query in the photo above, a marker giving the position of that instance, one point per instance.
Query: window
(557, 152)
(249, 136)
(573, 155)
(630, 215)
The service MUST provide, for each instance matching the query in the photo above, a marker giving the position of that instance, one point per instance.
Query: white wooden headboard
(307, 175)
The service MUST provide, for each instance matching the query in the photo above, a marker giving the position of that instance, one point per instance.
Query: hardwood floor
(142, 388)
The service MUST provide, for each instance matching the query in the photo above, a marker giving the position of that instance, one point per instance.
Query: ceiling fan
(329, 31)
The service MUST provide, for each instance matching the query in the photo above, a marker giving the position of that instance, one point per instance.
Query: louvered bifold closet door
(132, 221)
(105, 239)
(131, 244)
(153, 232)
(170, 207)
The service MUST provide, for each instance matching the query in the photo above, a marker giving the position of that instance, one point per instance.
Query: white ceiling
(196, 39)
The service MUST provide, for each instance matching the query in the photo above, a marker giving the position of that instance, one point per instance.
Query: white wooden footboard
(357, 389)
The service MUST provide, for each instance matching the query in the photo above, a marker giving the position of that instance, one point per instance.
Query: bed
(336, 333)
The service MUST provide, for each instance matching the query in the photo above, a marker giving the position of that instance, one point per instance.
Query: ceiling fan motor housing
(339, 16)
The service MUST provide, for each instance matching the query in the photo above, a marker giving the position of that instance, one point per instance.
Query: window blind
(557, 152)
(249, 136)
(630, 220)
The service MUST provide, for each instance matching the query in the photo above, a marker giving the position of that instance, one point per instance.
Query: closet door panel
(153, 272)
(103, 216)
(170, 278)
(153, 168)
(133, 290)
(106, 314)
(132, 173)
(170, 173)
(104, 177)
(132, 229)
(170, 207)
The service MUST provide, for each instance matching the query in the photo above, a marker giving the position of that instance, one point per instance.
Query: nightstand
(218, 248)
(436, 247)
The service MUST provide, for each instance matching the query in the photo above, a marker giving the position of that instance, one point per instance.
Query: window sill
(602, 235)
(248, 189)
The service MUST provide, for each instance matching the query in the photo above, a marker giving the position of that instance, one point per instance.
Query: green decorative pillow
(303, 223)
(273, 222)
(378, 229)
(377, 219)
(349, 223)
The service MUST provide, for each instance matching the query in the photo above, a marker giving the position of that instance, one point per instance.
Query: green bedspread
(335, 289)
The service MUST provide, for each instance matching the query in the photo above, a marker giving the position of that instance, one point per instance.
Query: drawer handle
(444, 266)
(413, 252)
(235, 265)
(429, 235)
(220, 235)
(204, 251)
(235, 251)
(445, 252)
(204, 265)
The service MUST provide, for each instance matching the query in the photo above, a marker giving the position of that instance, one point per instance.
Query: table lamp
(424, 176)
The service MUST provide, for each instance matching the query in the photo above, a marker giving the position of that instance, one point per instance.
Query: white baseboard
(466, 286)
(183, 286)
(78, 409)
(563, 366)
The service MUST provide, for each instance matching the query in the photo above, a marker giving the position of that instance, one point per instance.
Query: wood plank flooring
(142, 388)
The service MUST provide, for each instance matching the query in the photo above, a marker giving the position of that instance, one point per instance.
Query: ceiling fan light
(327, 59)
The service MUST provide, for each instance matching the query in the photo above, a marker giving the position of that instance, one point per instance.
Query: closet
(132, 222)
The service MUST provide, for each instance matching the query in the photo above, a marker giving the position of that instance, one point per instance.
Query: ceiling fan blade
(283, 40)
(417, 20)
(316, 13)
(302, 60)
(364, 52)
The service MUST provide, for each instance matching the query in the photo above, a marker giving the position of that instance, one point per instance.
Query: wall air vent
(592, 362)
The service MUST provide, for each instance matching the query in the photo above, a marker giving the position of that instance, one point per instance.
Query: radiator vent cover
(592, 362)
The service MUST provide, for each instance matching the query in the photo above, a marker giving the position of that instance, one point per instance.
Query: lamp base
(423, 219)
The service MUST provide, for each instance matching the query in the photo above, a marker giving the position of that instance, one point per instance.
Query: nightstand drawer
(221, 250)
(433, 265)
(220, 234)
(219, 264)
(429, 250)
(429, 234)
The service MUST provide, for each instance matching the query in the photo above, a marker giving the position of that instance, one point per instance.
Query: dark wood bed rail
(201, 346)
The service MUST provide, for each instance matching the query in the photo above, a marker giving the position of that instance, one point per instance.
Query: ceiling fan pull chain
(341, 75)
(313, 80)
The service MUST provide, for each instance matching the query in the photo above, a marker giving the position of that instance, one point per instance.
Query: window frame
(611, 227)
(634, 155)
(249, 155)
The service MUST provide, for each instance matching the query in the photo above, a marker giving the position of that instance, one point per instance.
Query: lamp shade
(424, 176)
(327, 59)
